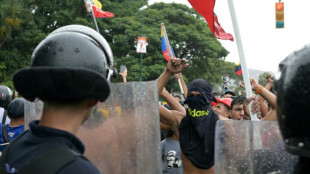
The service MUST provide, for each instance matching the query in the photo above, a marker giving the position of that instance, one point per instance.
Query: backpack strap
(4, 117)
(51, 161)
(5, 133)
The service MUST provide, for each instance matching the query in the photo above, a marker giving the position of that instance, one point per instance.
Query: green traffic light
(280, 24)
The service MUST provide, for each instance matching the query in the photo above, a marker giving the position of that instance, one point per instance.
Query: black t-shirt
(197, 136)
(41, 138)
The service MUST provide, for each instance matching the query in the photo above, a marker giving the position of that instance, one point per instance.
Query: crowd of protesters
(196, 123)
(188, 121)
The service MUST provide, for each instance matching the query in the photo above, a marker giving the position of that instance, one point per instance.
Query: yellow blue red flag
(238, 70)
(95, 6)
(164, 44)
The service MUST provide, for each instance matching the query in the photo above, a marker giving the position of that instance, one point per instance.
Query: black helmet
(72, 62)
(5, 96)
(293, 100)
(230, 92)
(16, 108)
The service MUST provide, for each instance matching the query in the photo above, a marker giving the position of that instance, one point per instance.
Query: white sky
(264, 46)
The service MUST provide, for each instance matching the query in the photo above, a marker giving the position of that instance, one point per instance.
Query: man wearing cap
(69, 72)
(197, 127)
(223, 107)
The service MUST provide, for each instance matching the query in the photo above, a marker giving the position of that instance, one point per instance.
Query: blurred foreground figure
(69, 72)
(293, 106)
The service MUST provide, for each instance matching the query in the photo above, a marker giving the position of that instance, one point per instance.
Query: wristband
(259, 90)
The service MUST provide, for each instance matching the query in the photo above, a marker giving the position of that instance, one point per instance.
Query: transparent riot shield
(33, 111)
(252, 147)
(122, 135)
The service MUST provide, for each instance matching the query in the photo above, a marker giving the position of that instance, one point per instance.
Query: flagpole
(90, 10)
(142, 36)
(245, 72)
(94, 19)
(170, 53)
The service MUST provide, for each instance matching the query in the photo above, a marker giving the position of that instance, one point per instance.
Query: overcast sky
(264, 46)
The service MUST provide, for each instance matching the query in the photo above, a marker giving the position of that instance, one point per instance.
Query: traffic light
(280, 15)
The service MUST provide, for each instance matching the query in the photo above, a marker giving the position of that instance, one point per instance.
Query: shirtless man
(197, 149)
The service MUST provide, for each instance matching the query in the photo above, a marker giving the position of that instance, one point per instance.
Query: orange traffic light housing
(280, 15)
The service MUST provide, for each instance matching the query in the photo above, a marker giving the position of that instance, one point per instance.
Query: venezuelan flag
(164, 48)
(238, 70)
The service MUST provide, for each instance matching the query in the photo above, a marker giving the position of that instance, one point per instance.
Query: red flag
(98, 13)
(219, 31)
(205, 8)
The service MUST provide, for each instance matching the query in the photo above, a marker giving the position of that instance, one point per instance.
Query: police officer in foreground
(69, 72)
(293, 106)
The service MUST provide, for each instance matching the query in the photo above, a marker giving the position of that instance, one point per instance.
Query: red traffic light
(279, 6)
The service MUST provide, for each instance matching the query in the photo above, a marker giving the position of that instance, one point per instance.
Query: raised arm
(270, 80)
(174, 66)
(173, 103)
(180, 76)
(263, 106)
(124, 75)
(266, 94)
(164, 126)
(170, 117)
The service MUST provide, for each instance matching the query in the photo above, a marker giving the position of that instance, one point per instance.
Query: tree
(227, 72)
(262, 78)
(35, 19)
(188, 32)
(9, 21)
(189, 36)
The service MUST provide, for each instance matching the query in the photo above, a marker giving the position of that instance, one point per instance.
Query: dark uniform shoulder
(81, 165)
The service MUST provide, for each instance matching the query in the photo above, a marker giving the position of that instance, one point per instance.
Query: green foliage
(9, 11)
(37, 19)
(262, 78)
(188, 33)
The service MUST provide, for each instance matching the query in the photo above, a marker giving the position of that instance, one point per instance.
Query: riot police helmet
(73, 62)
(293, 98)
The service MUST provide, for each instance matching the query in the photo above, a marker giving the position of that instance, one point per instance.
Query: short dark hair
(237, 100)
(16, 108)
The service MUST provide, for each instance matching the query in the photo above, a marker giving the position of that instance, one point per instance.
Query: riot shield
(122, 135)
(33, 111)
(252, 147)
